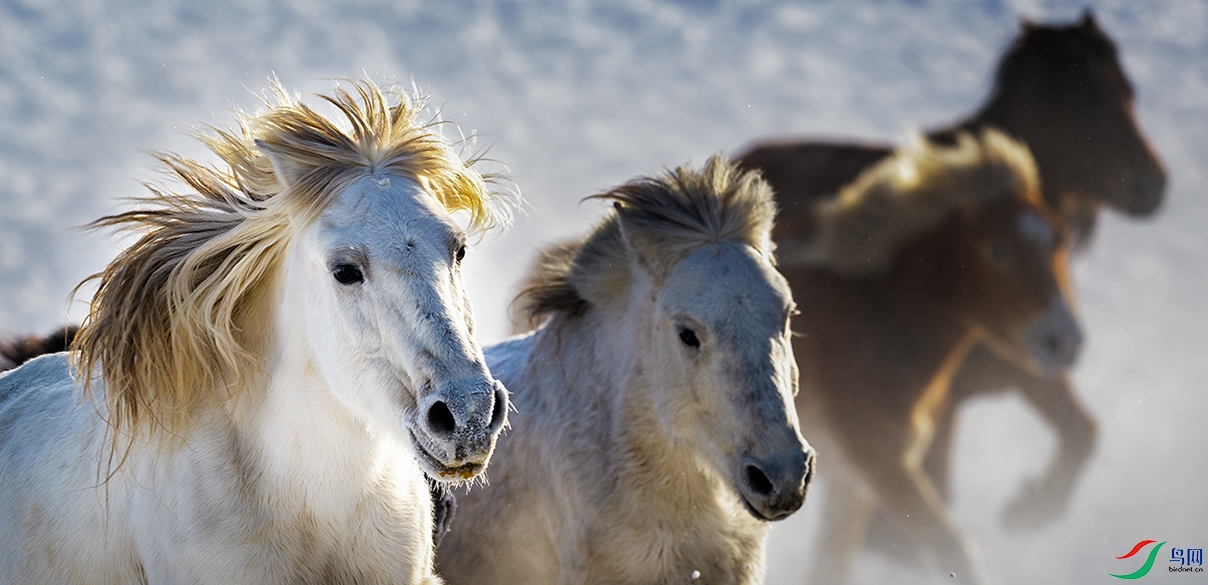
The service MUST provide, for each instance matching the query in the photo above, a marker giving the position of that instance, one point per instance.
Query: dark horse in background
(1061, 91)
(18, 350)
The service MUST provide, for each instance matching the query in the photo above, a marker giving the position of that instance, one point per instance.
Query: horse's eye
(461, 252)
(689, 338)
(347, 274)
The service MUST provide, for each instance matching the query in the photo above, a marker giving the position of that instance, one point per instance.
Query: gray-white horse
(273, 366)
(654, 432)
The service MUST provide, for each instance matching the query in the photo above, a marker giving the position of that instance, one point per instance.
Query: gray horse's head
(684, 271)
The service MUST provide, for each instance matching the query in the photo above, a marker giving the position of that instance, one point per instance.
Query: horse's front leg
(845, 517)
(895, 474)
(1046, 498)
(574, 565)
(983, 372)
(911, 499)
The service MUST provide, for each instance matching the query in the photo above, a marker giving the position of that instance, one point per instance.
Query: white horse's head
(687, 259)
(376, 280)
(354, 228)
(386, 315)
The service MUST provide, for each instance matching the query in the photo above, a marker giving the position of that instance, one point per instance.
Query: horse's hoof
(1032, 509)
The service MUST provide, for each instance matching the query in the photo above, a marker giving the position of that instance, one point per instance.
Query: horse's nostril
(1151, 185)
(499, 410)
(440, 419)
(1148, 190)
(810, 462)
(758, 481)
(1053, 343)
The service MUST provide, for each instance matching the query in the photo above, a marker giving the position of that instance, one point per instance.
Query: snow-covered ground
(577, 96)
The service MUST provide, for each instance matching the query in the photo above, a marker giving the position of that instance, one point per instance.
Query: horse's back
(811, 169)
(49, 460)
(804, 172)
(39, 382)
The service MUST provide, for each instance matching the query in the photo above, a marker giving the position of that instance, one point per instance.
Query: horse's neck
(308, 448)
(1028, 120)
(1002, 111)
(1028, 125)
(577, 369)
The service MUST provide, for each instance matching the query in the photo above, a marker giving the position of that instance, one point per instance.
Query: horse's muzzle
(1054, 339)
(774, 487)
(456, 429)
(1147, 191)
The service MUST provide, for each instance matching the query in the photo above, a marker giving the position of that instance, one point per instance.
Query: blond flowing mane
(861, 230)
(184, 311)
(656, 221)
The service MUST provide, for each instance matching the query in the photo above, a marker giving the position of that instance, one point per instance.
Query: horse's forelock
(667, 216)
(385, 136)
(660, 220)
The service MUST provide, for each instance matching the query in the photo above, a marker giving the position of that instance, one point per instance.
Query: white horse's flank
(654, 430)
(281, 356)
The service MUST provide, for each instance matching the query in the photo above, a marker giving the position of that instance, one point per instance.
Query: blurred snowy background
(577, 96)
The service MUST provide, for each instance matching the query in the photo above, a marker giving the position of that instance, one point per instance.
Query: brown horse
(922, 257)
(1062, 92)
(18, 350)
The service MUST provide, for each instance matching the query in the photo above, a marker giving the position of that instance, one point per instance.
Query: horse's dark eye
(689, 338)
(461, 253)
(347, 274)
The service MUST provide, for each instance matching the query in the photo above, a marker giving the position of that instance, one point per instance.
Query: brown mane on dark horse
(1061, 91)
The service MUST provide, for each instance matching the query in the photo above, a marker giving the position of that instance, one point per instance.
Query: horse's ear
(288, 171)
(599, 268)
(1088, 19)
(1027, 25)
(626, 237)
(635, 243)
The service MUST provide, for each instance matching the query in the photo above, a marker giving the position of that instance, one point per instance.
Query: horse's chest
(689, 554)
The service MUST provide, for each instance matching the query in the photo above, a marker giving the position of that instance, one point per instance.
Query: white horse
(654, 432)
(282, 356)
